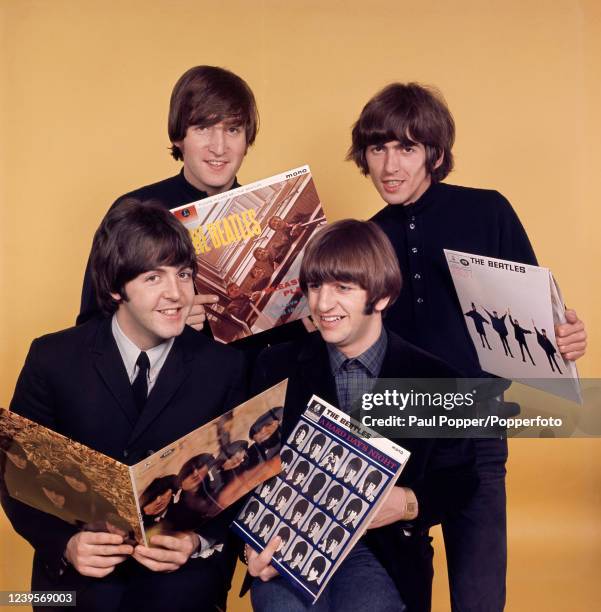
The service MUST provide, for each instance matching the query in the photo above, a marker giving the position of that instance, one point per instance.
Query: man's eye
(376, 149)
(185, 274)
(313, 286)
(408, 149)
(152, 278)
(343, 288)
(234, 129)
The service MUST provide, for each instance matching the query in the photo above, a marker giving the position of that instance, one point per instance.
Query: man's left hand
(168, 552)
(393, 509)
(571, 336)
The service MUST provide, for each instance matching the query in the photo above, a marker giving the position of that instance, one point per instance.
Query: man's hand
(196, 318)
(400, 505)
(168, 553)
(259, 563)
(571, 336)
(96, 553)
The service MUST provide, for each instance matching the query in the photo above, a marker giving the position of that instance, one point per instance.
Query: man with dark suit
(126, 385)
(350, 276)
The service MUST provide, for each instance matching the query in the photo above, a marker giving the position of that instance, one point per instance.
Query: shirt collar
(417, 207)
(198, 194)
(130, 353)
(371, 359)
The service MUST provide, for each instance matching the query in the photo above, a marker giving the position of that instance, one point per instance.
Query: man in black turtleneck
(213, 119)
(403, 140)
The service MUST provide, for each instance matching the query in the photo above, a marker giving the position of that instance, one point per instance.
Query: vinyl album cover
(177, 488)
(250, 243)
(335, 475)
(60, 476)
(511, 310)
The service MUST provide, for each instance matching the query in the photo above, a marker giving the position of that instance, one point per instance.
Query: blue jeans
(360, 583)
(476, 538)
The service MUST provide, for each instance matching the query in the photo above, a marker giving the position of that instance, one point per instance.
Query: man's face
(338, 311)
(192, 480)
(296, 518)
(266, 431)
(17, 460)
(158, 504)
(77, 485)
(213, 155)
(350, 516)
(313, 574)
(300, 436)
(235, 460)
(261, 254)
(350, 474)
(55, 497)
(157, 307)
(371, 487)
(398, 171)
(298, 478)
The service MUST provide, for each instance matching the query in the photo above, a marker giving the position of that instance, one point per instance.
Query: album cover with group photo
(250, 242)
(177, 488)
(335, 475)
(511, 310)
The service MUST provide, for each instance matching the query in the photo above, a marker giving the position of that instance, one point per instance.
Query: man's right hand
(259, 563)
(197, 317)
(96, 554)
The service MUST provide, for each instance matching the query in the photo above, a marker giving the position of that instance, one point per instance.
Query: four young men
(122, 381)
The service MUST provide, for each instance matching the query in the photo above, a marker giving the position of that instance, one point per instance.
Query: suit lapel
(110, 367)
(315, 372)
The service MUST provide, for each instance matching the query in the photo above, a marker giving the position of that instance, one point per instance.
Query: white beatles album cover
(511, 310)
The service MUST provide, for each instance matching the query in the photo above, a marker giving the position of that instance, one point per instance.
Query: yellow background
(83, 102)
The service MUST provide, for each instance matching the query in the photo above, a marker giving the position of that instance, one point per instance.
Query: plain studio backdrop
(83, 102)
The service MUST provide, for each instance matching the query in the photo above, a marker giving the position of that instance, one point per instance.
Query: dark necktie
(140, 384)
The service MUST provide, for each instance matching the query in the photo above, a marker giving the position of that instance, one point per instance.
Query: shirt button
(125, 453)
(412, 218)
(417, 276)
(412, 226)
(420, 300)
(414, 250)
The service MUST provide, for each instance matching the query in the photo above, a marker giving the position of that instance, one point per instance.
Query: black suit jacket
(441, 472)
(74, 382)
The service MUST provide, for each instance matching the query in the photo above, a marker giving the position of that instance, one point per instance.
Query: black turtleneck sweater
(170, 193)
(478, 221)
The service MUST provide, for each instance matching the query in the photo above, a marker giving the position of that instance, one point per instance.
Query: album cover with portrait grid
(335, 475)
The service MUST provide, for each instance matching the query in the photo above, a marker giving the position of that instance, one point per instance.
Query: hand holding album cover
(511, 310)
(335, 475)
(177, 488)
(250, 242)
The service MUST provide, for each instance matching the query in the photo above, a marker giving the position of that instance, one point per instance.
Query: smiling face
(398, 171)
(157, 305)
(213, 155)
(338, 311)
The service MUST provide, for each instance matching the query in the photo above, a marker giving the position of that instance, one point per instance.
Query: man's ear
(381, 304)
(439, 161)
(117, 297)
